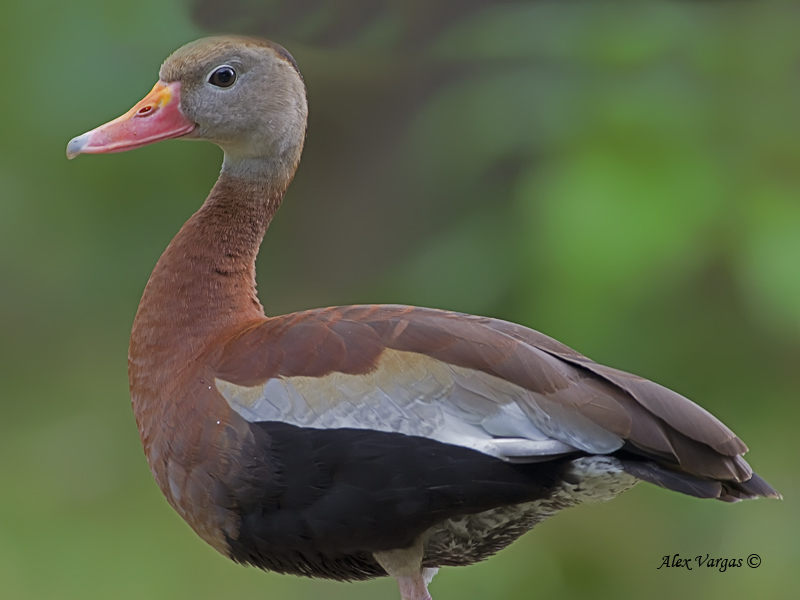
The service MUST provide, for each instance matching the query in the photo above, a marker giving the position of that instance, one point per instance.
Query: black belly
(319, 502)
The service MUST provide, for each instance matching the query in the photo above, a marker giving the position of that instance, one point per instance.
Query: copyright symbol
(754, 561)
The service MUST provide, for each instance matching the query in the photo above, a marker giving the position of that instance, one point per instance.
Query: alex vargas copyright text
(705, 561)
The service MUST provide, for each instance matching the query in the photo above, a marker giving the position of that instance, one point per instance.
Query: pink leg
(406, 567)
(415, 587)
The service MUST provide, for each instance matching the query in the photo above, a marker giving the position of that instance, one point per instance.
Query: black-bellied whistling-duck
(359, 441)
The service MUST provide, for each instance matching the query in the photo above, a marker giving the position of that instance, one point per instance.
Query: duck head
(245, 95)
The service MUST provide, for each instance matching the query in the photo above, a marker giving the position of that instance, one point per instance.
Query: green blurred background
(623, 176)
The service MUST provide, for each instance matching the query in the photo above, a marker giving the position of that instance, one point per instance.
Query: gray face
(246, 96)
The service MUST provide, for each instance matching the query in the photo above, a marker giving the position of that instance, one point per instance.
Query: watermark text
(722, 564)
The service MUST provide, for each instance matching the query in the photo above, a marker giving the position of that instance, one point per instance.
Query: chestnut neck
(204, 284)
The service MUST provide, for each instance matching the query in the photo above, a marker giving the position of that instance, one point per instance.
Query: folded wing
(485, 384)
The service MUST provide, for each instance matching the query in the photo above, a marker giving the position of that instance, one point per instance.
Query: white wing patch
(414, 394)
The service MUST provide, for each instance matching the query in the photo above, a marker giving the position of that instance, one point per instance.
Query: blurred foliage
(620, 175)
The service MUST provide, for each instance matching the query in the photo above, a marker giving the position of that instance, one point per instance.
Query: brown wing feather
(648, 415)
(654, 420)
(683, 415)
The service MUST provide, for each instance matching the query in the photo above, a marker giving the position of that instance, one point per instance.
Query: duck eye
(223, 77)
